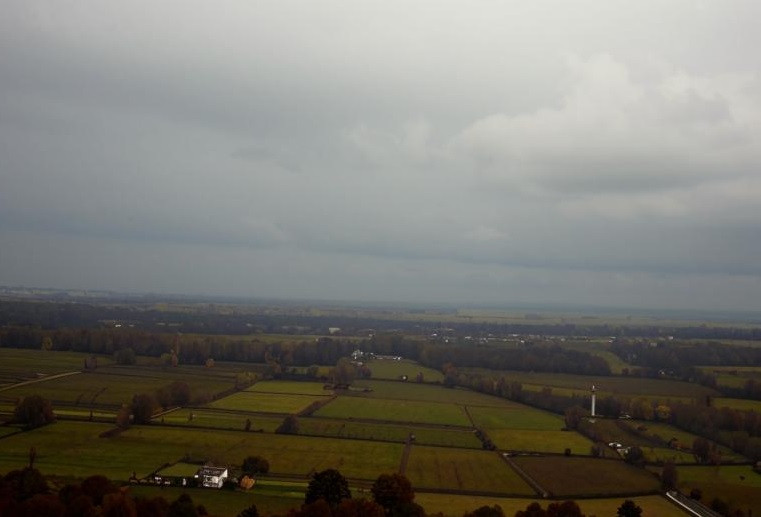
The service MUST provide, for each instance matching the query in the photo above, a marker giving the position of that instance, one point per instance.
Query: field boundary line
(41, 379)
(429, 425)
(166, 412)
(534, 484)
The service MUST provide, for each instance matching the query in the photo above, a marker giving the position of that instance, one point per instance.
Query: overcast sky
(590, 152)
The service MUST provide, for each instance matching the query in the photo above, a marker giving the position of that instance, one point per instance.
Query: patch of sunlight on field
(395, 411)
(540, 441)
(522, 418)
(390, 369)
(265, 402)
(290, 387)
(741, 404)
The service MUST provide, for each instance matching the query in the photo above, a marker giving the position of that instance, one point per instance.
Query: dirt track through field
(406, 454)
(41, 379)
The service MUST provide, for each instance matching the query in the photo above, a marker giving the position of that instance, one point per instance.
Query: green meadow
(253, 401)
(575, 476)
(483, 471)
(395, 410)
(540, 441)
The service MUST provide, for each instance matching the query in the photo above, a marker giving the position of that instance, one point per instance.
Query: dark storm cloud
(384, 150)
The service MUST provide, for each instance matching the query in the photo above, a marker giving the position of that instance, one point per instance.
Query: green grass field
(664, 454)
(540, 441)
(7, 430)
(607, 430)
(221, 419)
(17, 365)
(577, 476)
(519, 418)
(290, 388)
(397, 433)
(600, 348)
(180, 470)
(627, 386)
(465, 470)
(265, 402)
(666, 432)
(742, 404)
(731, 381)
(736, 484)
(63, 412)
(395, 410)
(429, 393)
(387, 369)
(115, 386)
(75, 449)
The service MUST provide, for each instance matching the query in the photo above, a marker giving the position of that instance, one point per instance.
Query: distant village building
(212, 477)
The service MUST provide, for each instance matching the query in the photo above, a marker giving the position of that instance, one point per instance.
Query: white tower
(593, 400)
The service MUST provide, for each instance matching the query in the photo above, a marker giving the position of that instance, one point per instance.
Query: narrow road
(41, 379)
(406, 454)
(690, 506)
(533, 483)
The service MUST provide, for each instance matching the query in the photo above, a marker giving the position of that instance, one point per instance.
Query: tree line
(246, 320)
(197, 349)
(26, 492)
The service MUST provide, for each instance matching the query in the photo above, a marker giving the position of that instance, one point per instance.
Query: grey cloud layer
(477, 152)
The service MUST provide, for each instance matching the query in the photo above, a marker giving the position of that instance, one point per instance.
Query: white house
(212, 477)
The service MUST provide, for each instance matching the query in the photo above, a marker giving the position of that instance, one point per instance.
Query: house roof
(211, 471)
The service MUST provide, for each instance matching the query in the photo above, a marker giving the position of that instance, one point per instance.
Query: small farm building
(212, 477)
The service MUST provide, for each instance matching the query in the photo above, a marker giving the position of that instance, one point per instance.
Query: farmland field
(101, 415)
(180, 470)
(520, 418)
(395, 410)
(115, 386)
(664, 454)
(742, 404)
(599, 348)
(388, 432)
(540, 441)
(75, 449)
(18, 365)
(465, 470)
(577, 476)
(266, 402)
(388, 369)
(666, 432)
(359, 432)
(299, 455)
(738, 485)
(221, 419)
(731, 381)
(290, 388)
(607, 430)
(6, 430)
(631, 386)
(430, 393)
